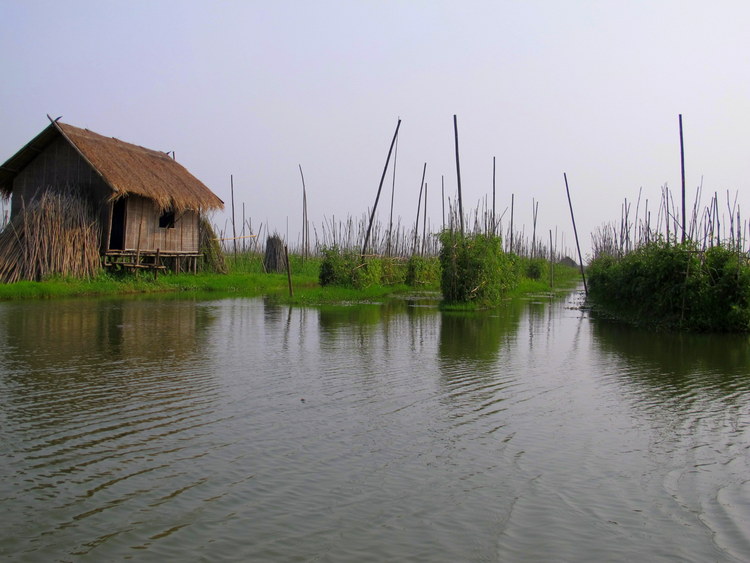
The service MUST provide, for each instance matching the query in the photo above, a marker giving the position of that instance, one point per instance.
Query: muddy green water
(239, 430)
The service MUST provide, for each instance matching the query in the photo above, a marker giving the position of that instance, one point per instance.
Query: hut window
(166, 219)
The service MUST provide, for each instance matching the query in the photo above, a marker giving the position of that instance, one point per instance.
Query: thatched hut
(146, 205)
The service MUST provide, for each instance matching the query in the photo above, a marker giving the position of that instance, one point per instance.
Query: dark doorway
(117, 235)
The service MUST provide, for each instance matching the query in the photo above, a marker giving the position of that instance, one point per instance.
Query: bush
(366, 274)
(726, 295)
(393, 271)
(674, 286)
(535, 268)
(474, 269)
(344, 268)
(422, 272)
(337, 267)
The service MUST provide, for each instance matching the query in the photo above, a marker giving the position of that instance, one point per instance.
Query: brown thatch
(126, 168)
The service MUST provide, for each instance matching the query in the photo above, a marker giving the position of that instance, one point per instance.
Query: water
(239, 430)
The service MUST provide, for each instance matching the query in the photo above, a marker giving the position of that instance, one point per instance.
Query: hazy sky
(253, 89)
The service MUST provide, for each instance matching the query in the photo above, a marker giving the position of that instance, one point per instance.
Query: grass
(246, 278)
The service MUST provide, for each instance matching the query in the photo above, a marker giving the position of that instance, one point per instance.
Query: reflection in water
(694, 391)
(74, 346)
(95, 397)
(673, 366)
(244, 430)
(478, 336)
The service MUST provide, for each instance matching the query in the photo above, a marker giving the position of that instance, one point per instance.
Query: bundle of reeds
(55, 234)
(213, 257)
(274, 259)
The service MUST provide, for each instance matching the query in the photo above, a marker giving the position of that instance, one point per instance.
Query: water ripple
(259, 432)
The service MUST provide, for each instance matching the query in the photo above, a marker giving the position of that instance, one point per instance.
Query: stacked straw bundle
(274, 259)
(213, 257)
(56, 234)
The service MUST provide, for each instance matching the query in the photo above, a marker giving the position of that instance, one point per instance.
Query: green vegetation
(347, 280)
(423, 272)
(674, 286)
(475, 270)
(344, 268)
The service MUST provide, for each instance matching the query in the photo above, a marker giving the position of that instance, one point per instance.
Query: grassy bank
(247, 278)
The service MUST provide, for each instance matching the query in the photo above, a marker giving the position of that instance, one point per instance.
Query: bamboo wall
(142, 229)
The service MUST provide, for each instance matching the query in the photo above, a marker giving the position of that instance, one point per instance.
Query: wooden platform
(152, 260)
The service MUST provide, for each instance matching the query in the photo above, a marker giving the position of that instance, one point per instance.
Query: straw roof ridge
(128, 169)
(131, 169)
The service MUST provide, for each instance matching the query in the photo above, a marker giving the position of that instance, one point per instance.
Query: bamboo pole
(442, 196)
(424, 220)
(575, 232)
(535, 210)
(393, 194)
(305, 225)
(682, 166)
(288, 271)
(551, 262)
(234, 230)
(380, 187)
(512, 204)
(157, 263)
(419, 203)
(243, 226)
(458, 175)
(494, 225)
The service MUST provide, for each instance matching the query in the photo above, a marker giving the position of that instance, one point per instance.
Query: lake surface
(240, 430)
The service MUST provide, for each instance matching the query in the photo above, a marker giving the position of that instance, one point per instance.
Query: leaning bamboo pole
(380, 187)
(458, 176)
(575, 232)
(419, 203)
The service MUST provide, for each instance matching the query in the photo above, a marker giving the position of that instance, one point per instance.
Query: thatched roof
(126, 168)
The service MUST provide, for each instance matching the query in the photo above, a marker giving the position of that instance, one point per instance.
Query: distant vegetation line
(400, 240)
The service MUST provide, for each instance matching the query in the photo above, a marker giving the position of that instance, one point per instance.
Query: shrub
(674, 286)
(726, 295)
(366, 274)
(535, 268)
(344, 268)
(474, 269)
(422, 272)
(393, 271)
(337, 267)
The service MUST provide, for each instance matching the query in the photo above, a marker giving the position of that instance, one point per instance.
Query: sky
(254, 89)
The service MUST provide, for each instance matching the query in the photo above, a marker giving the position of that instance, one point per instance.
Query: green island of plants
(674, 286)
(471, 272)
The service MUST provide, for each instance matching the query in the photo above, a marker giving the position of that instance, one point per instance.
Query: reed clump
(475, 270)
(56, 234)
